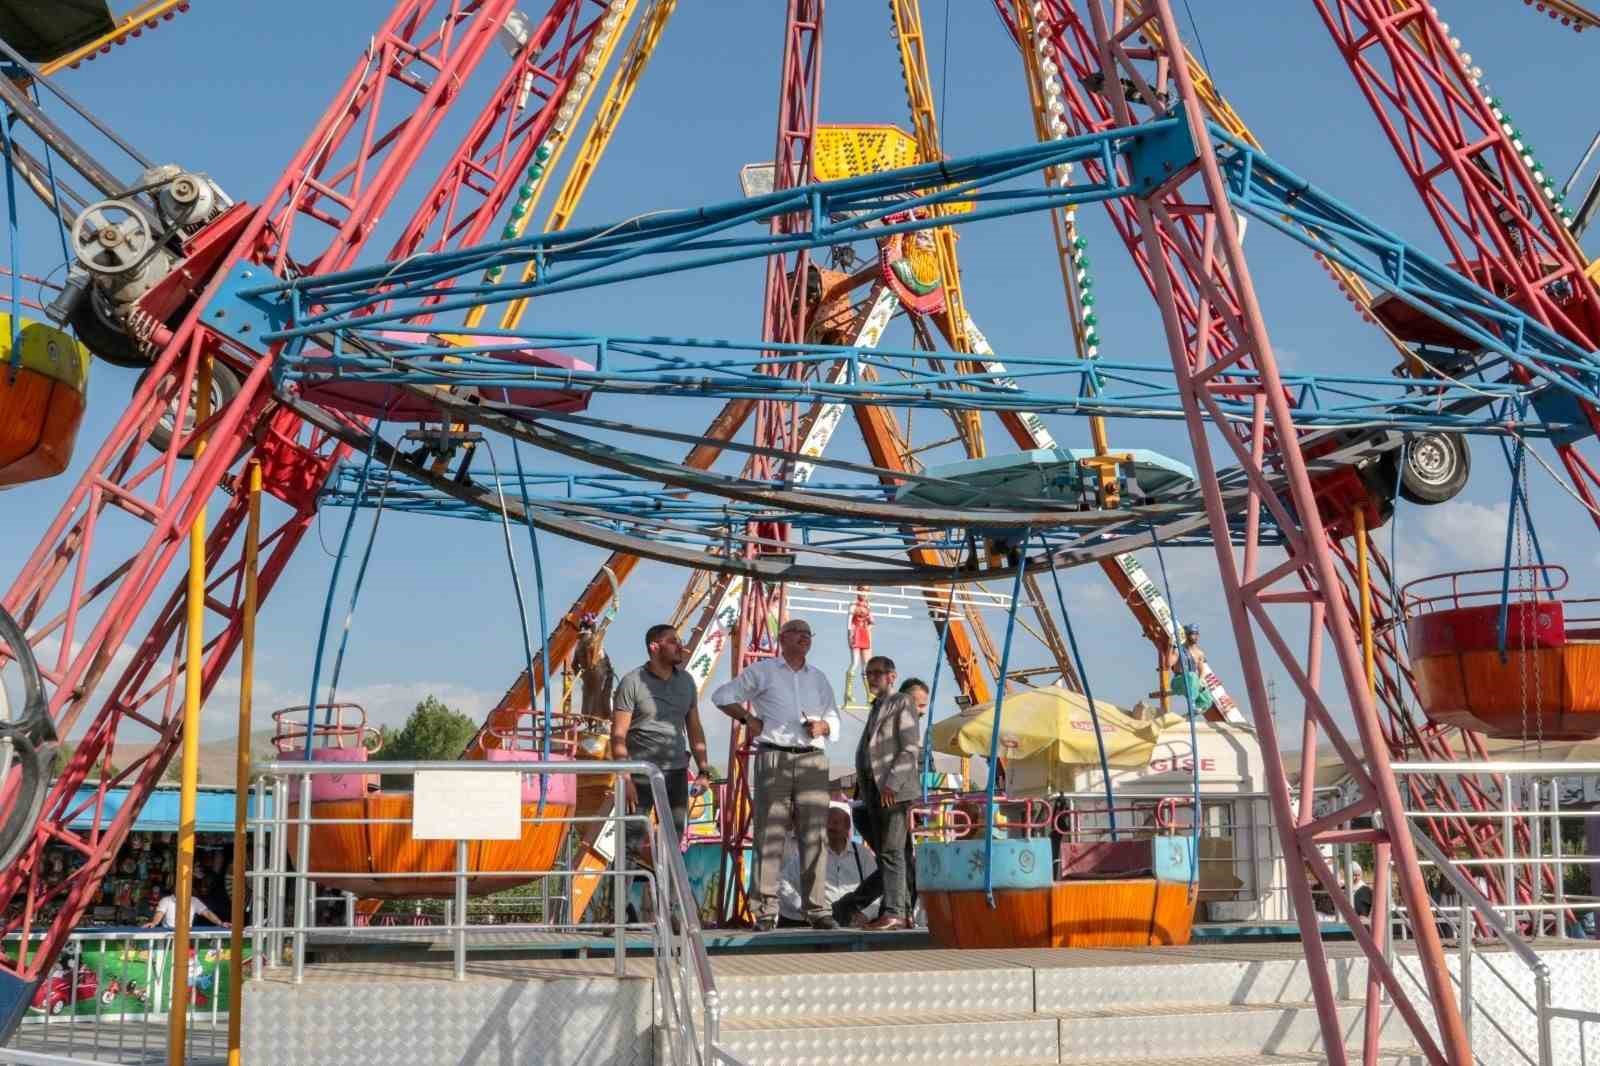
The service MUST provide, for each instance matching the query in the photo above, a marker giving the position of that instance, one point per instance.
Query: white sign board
(467, 805)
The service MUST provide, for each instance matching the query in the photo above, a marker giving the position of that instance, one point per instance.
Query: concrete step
(865, 987)
(1397, 1056)
(1191, 980)
(1173, 1032)
(952, 1038)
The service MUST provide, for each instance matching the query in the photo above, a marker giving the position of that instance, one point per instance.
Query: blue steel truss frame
(332, 322)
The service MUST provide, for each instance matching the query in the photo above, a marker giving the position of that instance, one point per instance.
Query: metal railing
(687, 1005)
(1474, 901)
(109, 997)
(1530, 793)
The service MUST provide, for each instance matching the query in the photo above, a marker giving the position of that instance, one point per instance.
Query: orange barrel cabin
(364, 840)
(43, 382)
(1546, 682)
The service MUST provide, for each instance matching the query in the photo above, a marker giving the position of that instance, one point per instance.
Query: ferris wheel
(273, 332)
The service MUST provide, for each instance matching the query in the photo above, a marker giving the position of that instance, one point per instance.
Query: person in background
(166, 915)
(655, 718)
(847, 863)
(1360, 891)
(858, 635)
(917, 689)
(855, 909)
(888, 765)
(789, 710)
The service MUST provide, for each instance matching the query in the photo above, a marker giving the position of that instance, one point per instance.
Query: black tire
(224, 387)
(33, 743)
(1435, 467)
(92, 322)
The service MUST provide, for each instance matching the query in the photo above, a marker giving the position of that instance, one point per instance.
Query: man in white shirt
(166, 915)
(789, 711)
(846, 863)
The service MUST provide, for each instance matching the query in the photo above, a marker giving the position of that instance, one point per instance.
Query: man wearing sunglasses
(789, 710)
(888, 768)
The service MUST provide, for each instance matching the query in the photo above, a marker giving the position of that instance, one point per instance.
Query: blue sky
(232, 89)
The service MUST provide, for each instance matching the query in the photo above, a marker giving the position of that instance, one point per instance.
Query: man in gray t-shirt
(655, 718)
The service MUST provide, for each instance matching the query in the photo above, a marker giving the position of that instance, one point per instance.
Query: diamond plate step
(952, 1038)
(1168, 1033)
(1386, 1057)
(879, 989)
(1193, 981)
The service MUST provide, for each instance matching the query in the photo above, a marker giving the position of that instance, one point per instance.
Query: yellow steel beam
(193, 671)
(925, 125)
(641, 46)
(1064, 225)
(131, 24)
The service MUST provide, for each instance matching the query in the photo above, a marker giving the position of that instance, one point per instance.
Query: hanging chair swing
(1501, 650)
(361, 837)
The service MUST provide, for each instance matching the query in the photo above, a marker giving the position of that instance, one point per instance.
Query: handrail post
(1508, 794)
(459, 919)
(1560, 858)
(258, 899)
(302, 863)
(713, 1025)
(279, 868)
(1464, 942)
(619, 862)
(1541, 1003)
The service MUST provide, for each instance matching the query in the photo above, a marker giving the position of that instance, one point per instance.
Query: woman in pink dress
(860, 634)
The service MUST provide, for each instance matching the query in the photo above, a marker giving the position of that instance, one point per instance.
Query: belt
(791, 750)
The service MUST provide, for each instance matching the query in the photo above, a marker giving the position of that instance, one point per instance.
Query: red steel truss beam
(1185, 244)
(81, 609)
(783, 320)
(1495, 219)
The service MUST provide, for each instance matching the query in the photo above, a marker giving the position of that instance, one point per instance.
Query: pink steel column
(1309, 564)
(783, 320)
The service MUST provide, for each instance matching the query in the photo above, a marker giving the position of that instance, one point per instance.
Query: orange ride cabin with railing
(361, 832)
(1540, 681)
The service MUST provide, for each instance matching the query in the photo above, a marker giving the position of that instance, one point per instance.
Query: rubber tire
(105, 339)
(224, 387)
(1446, 465)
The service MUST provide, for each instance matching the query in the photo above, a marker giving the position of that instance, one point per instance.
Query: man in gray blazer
(888, 762)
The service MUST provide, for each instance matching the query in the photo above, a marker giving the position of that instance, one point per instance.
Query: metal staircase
(1186, 1007)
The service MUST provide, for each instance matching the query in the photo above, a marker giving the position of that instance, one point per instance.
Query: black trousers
(871, 819)
(677, 799)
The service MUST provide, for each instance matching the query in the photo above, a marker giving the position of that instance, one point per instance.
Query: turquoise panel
(159, 814)
(1052, 473)
(1171, 858)
(701, 861)
(958, 866)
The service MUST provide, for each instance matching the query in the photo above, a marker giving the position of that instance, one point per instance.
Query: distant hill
(216, 757)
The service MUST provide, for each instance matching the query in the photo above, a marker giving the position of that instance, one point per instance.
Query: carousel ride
(259, 320)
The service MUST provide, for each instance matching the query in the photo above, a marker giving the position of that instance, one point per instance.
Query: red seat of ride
(378, 399)
(1105, 859)
(1539, 678)
(562, 788)
(334, 786)
(341, 736)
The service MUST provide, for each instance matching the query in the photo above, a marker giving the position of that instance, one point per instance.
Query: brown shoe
(885, 922)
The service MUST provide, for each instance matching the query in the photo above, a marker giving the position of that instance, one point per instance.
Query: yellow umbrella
(1051, 726)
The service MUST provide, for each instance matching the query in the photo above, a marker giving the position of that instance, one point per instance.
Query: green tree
(434, 731)
(63, 755)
